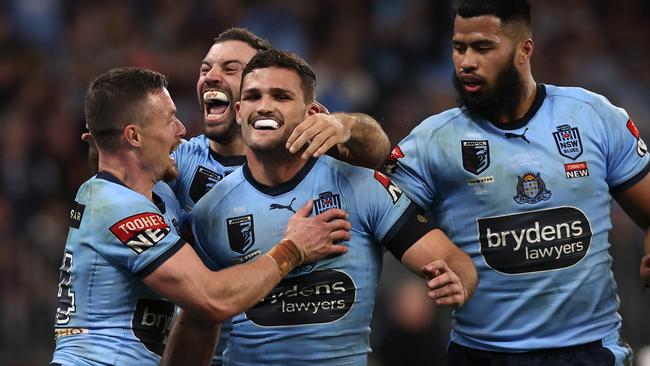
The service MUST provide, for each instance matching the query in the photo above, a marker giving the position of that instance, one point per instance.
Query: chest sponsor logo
(151, 322)
(142, 231)
(278, 206)
(476, 155)
(326, 201)
(316, 298)
(393, 190)
(204, 180)
(641, 147)
(535, 241)
(531, 189)
(76, 213)
(241, 233)
(576, 170)
(390, 165)
(568, 142)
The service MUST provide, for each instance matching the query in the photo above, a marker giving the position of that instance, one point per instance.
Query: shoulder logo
(204, 179)
(531, 189)
(76, 213)
(240, 233)
(476, 155)
(568, 142)
(142, 231)
(393, 190)
(641, 147)
(326, 201)
(390, 165)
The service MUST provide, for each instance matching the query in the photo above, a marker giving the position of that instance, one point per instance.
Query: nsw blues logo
(476, 155)
(240, 233)
(326, 201)
(531, 189)
(568, 141)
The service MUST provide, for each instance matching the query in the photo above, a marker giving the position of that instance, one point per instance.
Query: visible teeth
(266, 123)
(215, 95)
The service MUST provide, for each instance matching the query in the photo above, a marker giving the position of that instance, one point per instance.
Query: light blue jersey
(320, 313)
(200, 169)
(106, 315)
(529, 201)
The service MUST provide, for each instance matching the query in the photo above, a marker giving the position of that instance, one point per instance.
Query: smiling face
(218, 87)
(272, 105)
(161, 133)
(486, 76)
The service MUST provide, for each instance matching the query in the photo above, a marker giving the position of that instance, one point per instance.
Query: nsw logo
(476, 155)
(241, 233)
(531, 189)
(326, 201)
(142, 231)
(567, 140)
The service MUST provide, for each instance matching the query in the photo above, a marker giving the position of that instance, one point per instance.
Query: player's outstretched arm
(450, 273)
(210, 297)
(358, 138)
(634, 202)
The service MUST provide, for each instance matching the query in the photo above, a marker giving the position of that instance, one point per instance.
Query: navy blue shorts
(590, 354)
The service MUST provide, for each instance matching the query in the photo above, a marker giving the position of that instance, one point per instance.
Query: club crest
(531, 189)
(567, 140)
(326, 201)
(204, 180)
(240, 233)
(476, 155)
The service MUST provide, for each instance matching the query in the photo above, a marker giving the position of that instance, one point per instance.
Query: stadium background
(388, 58)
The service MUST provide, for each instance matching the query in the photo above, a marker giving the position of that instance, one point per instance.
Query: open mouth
(266, 124)
(471, 83)
(215, 104)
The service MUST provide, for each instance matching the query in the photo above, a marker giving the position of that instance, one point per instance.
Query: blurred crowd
(387, 58)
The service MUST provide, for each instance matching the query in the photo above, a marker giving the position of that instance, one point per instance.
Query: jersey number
(65, 294)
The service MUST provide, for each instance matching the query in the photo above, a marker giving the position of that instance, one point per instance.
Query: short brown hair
(284, 60)
(113, 100)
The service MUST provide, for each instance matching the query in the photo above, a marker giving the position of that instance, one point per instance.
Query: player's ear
(237, 114)
(313, 108)
(131, 135)
(322, 108)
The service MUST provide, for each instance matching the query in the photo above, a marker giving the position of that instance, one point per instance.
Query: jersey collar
(113, 179)
(282, 188)
(521, 122)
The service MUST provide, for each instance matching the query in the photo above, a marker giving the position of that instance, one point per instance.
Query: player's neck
(233, 147)
(273, 169)
(129, 171)
(529, 93)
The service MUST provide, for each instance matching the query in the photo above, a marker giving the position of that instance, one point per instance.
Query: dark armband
(408, 229)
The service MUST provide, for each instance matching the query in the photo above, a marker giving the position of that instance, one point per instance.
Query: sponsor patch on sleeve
(390, 165)
(641, 147)
(393, 190)
(142, 231)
